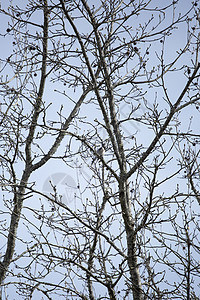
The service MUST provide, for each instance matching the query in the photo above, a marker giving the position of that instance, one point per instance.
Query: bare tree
(122, 75)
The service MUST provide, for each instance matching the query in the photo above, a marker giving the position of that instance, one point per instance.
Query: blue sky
(174, 81)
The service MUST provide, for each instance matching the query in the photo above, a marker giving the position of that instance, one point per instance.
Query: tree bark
(131, 241)
(19, 196)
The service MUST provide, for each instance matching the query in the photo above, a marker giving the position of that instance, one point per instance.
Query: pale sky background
(51, 170)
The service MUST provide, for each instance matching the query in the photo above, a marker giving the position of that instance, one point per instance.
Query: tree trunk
(131, 241)
(15, 217)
